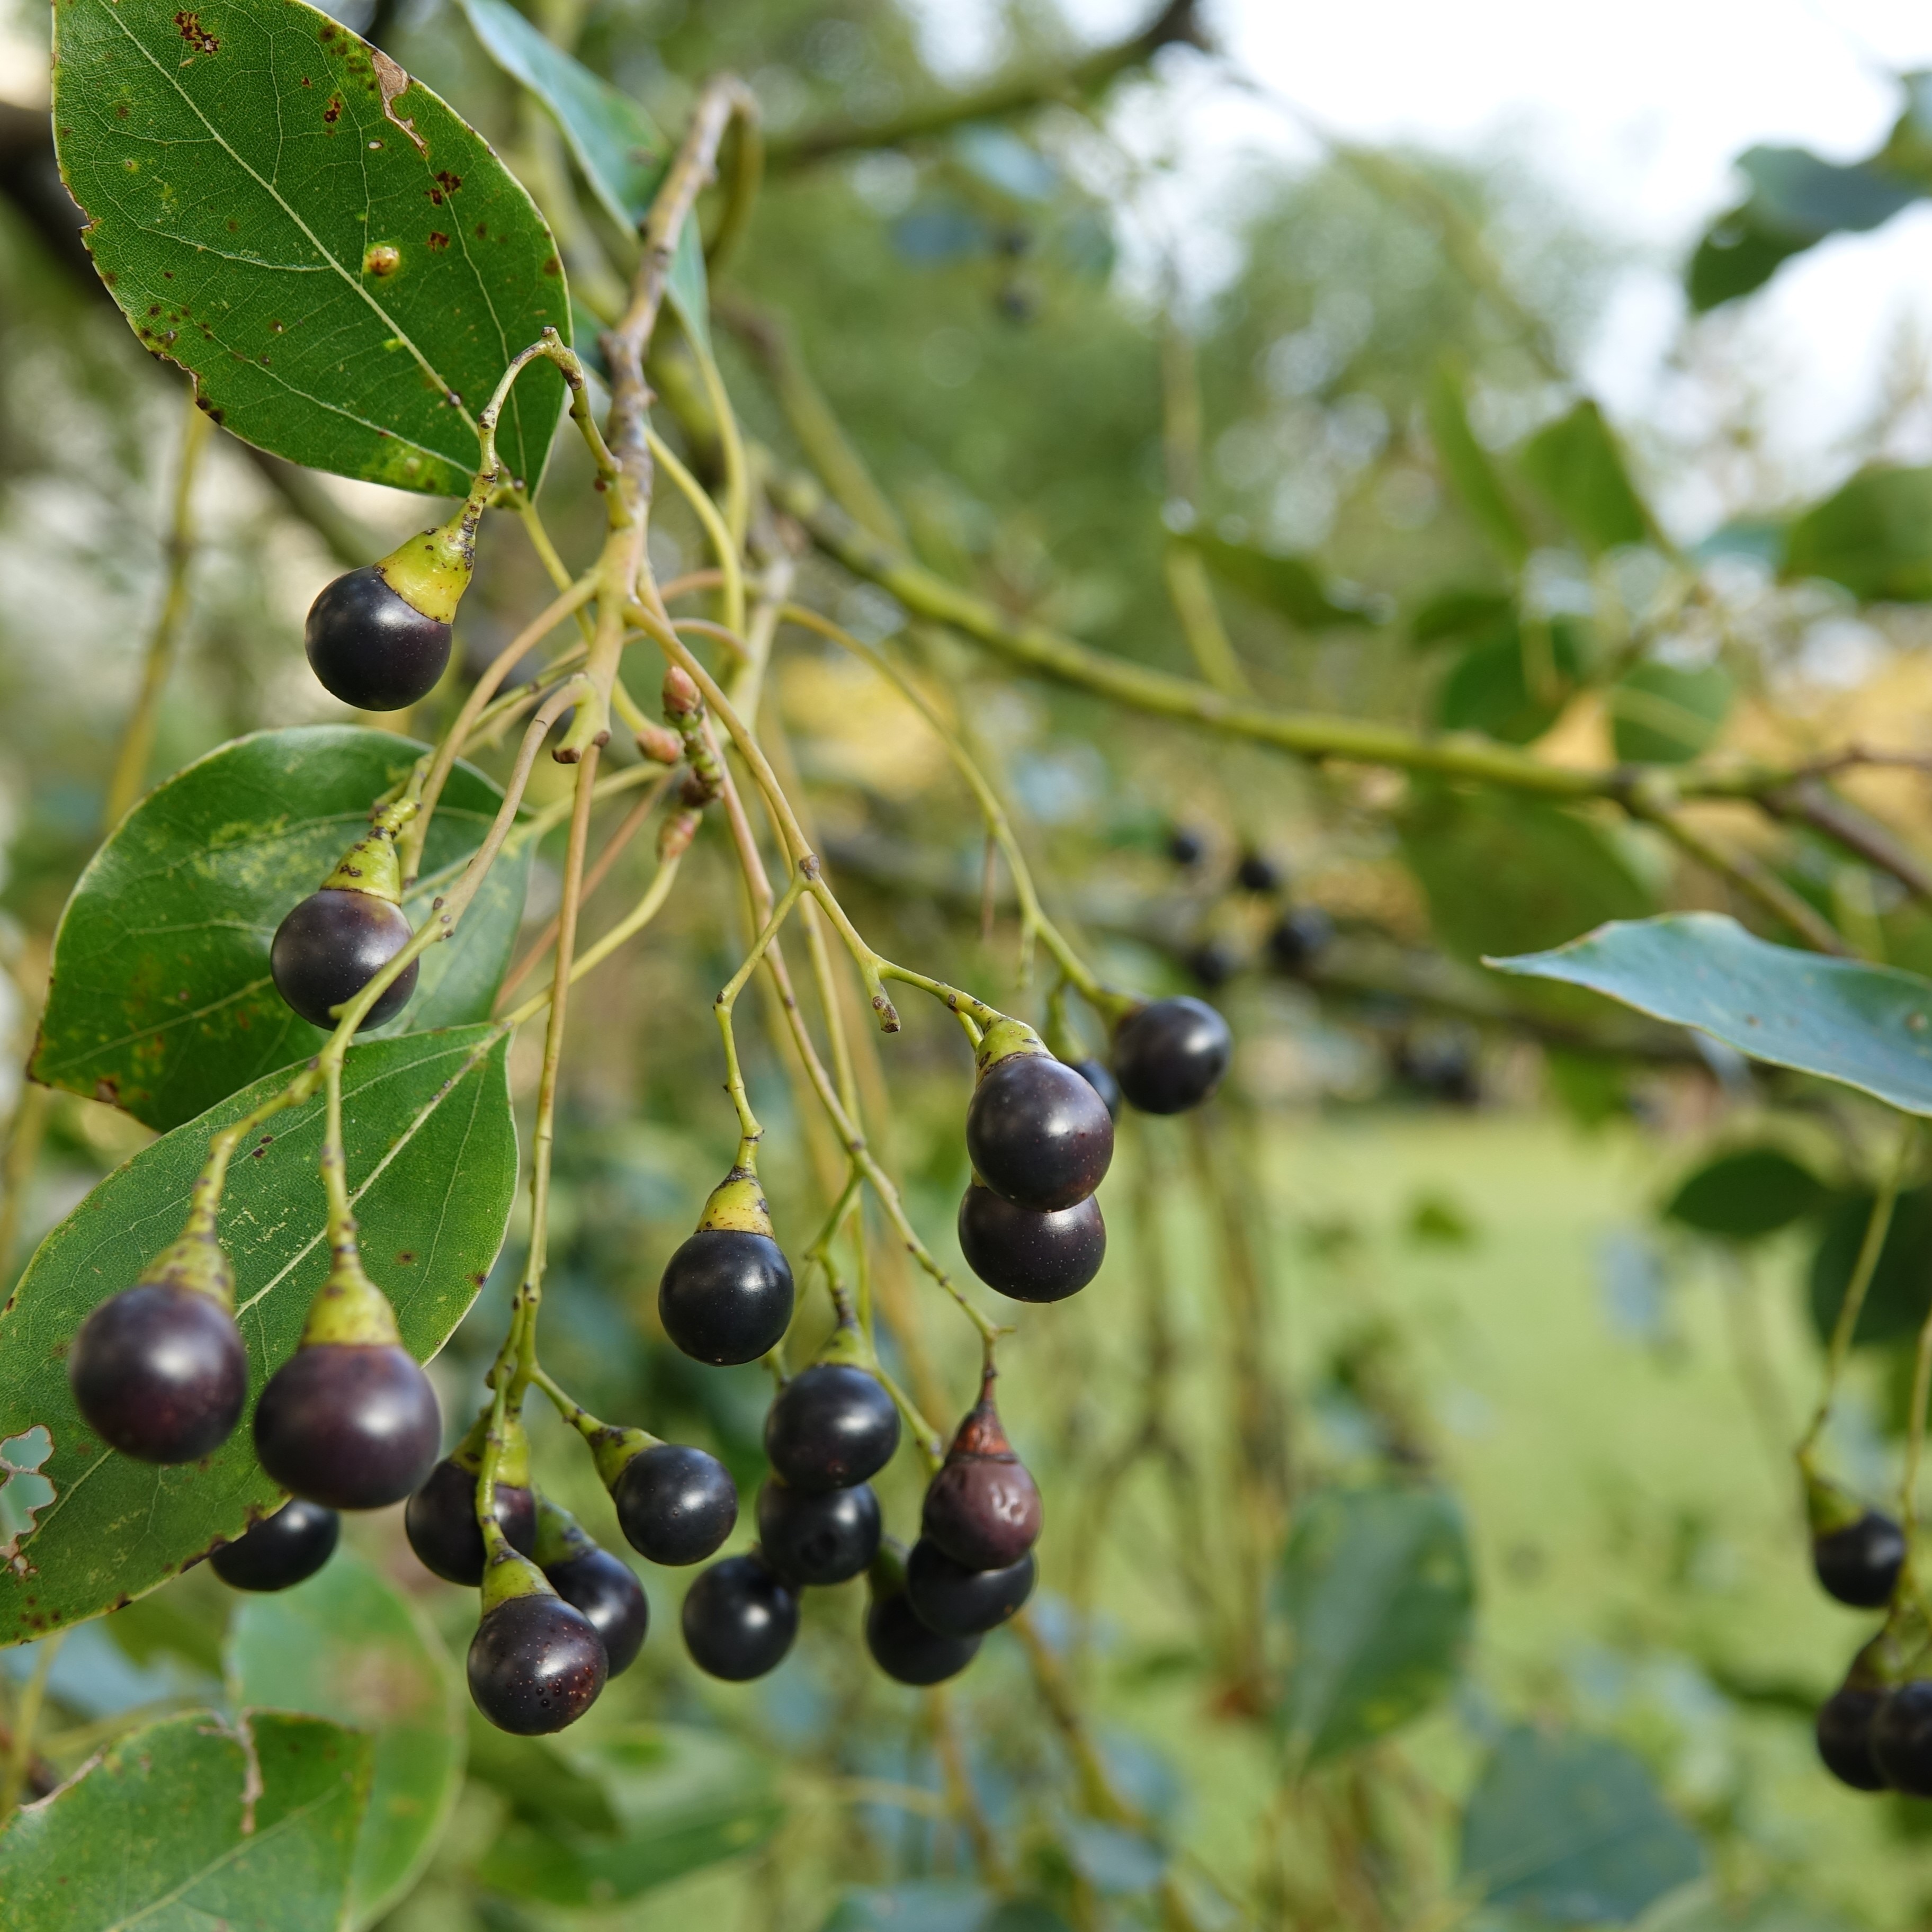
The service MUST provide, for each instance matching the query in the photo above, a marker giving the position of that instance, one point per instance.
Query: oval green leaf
(1662, 715)
(1746, 1194)
(1873, 536)
(1577, 465)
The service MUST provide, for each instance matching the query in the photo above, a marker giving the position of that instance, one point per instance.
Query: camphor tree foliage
(921, 627)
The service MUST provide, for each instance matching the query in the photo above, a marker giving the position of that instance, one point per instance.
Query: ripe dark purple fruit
(675, 1504)
(284, 1548)
(351, 1425)
(331, 946)
(536, 1663)
(1300, 939)
(1844, 1732)
(1027, 1254)
(954, 1601)
(1258, 873)
(442, 1526)
(906, 1651)
(820, 1539)
(983, 1508)
(160, 1372)
(370, 646)
(726, 1296)
(1212, 963)
(1170, 1055)
(832, 1426)
(1859, 1563)
(740, 1619)
(1098, 1075)
(1901, 1738)
(1038, 1133)
(1185, 846)
(606, 1589)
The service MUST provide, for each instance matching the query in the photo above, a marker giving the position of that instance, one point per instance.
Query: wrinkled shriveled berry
(832, 1426)
(1170, 1055)
(442, 1526)
(331, 945)
(1026, 1254)
(739, 1619)
(675, 1504)
(370, 646)
(281, 1550)
(1038, 1133)
(536, 1663)
(160, 1372)
(350, 1425)
(819, 1540)
(983, 1508)
(726, 1296)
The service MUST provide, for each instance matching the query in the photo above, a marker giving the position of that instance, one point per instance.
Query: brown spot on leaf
(553, 266)
(383, 259)
(107, 1090)
(482, 231)
(437, 239)
(449, 182)
(190, 28)
(406, 1257)
(332, 112)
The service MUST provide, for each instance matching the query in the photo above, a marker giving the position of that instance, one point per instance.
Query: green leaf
(1577, 466)
(924, 1905)
(161, 1001)
(348, 1646)
(1513, 683)
(431, 1162)
(189, 1824)
(1900, 1292)
(1746, 1194)
(1377, 1588)
(1472, 475)
(1661, 715)
(1874, 536)
(346, 276)
(1289, 586)
(1868, 1026)
(623, 154)
(1462, 610)
(1775, 1912)
(1572, 1828)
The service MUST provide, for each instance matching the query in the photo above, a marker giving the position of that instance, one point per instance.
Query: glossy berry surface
(906, 1651)
(1300, 939)
(354, 1427)
(442, 1526)
(726, 1296)
(675, 1504)
(331, 946)
(1859, 1564)
(606, 1589)
(371, 647)
(1098, 1075)
(1901, 1738)
(819, 1539)
(1027, 1254)
(1038, 1133)
(740, 1619)
(536, 1663)
(831, 1426)
(284, 1548)
(1844, 1728)
(160, 1373)
(1258, 873)
(1170, 1055)
(954, 1601)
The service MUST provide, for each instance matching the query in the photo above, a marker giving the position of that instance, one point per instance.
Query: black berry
(1212, 963)
(1038, 1133)
(284, 1548)
(832, 1426)
(160, 1372)
(351, 1425)
(675, 1504)
(1258, 873)
(1185, 846)
(726, 1296)
(1859, 1563)
(536, 1663)
(1098, 1075)
(1300, 939)
(983, 1508)
(1844, 1732)
(606, 1589)
(442, 1526)
(740, 1619)
(331, 946)
(819, 1539)
(954, 1601)
(1901, 1738)
(906, 1651)
(1027, 1254)
(1170, 1055)
(370, 646)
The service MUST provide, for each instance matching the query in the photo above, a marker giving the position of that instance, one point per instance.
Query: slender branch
(1754, 879)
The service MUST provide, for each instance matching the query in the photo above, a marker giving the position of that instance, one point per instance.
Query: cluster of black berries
(1297, 939)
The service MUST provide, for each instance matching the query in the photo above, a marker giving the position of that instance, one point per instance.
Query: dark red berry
(442, 1526)
(1170, 1055)
(832, 1426)
(160, 1372)
(536, 1663)
(1027, 1254)
(1844, 1732)
(675, 1504)
(954, 1601)
(1185, 846)
(370, 646)
(351, 1425)
(1859, 1563)
(906, 1650)
(606, 1589)
(1098, 1075)
(1258, 873)
(983, 1508)
(726, 1296)
(819, 1539)
(281, 1550)
(740, 1619)
(1038, 1133)
(1901, 1738)
(331, 946)
(1300, 938)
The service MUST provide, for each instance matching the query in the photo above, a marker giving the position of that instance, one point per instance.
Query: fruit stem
(707, 514)
(370, 865)
(749, 1132)
(551, 347)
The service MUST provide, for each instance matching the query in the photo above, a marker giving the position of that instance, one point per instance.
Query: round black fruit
(1845, 1737)
(1901, 1738)
(370, 646)
(442, 1526)
(1212, 963)
(740, 1619)
(832, 1426)
(536, 1663)
(819, 1539)
(1258, 873)
(675, 1504)
(606, 1589)
(350, 1425)
(1170, 1055)
(906, 1651)
(1859, 1564)
(284, 1548)
(1027, 1254)
(955, 1601)
(1300, 939)
(1098, 1075)
(1038, 1133)
(160, 1372)
(1185, 846)
(726, 1296)
(331, 946)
